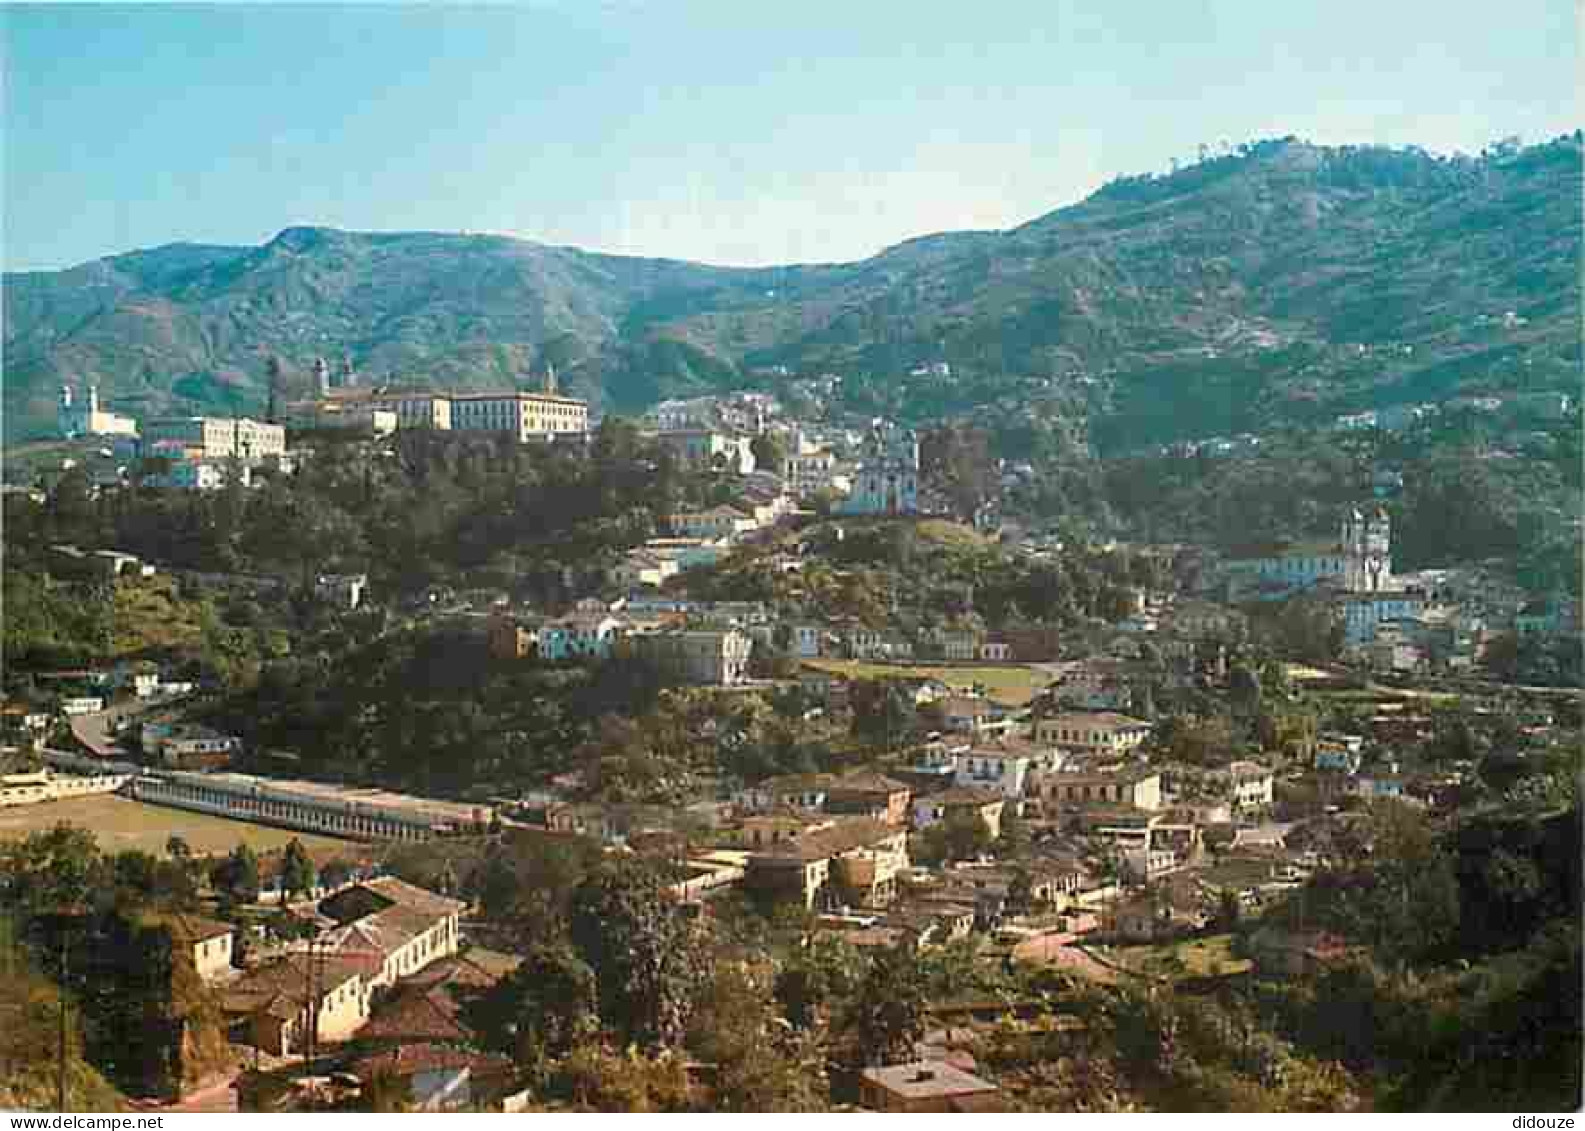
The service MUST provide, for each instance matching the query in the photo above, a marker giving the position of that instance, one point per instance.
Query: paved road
(97, 731)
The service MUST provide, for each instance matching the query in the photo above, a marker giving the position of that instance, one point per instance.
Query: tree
(819, 980)
(1229, 912)
(770, 452)
(272, 377)
(1015, 839)
(762, 1063)
(543, 1010)
(1403, 899)
(887, 1020)
(643, 953)
(133, 874)
(51, 870)
(1020, 892)
(963, 835)
(297, 871)
(596, 1078)
(237, 876)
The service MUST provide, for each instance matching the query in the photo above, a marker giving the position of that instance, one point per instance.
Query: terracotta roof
(1097, 718)
(477, 968)
(410, 895)
(867, 782)
(845, 836)
(382, 933)
(187, 929)
(281, 988)
(408, 1060)
(965, 795)
(418, 1014)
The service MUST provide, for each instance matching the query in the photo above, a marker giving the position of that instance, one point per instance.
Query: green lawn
(1010, 685)
(1200, 957)
(121, 823)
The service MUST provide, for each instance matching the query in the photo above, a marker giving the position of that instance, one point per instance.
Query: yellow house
(208, 942)
(301, 998)
(1098, 732)
(854, 861)
(1140, 789)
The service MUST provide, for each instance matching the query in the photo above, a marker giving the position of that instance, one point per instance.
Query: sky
(732, 132)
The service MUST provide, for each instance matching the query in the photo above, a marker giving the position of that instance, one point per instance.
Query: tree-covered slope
(1282, 280)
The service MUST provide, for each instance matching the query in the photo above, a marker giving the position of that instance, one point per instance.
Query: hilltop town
(462, 750)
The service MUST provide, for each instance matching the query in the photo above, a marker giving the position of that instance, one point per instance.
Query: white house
(1249, 785)
(715, 523)
(989, 768)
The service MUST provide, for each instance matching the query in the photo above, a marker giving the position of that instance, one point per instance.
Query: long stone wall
(261, 806)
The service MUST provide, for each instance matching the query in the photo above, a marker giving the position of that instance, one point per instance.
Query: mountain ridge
(1244, 280)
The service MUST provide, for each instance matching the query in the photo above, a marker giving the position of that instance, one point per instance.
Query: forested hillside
(1282, 281)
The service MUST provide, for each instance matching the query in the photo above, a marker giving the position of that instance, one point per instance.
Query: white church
(86, 418)
(1360, 561)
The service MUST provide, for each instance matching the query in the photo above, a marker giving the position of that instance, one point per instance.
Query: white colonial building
(214, 437)
(1360, 561)
(528, 416)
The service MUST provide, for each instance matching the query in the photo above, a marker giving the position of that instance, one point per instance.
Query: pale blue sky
(732, 132)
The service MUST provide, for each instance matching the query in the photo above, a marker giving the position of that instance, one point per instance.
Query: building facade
(1139, 789)
(1092, 732)
(888, 477)
(528, 416)
(87, 418)
(355, 814)
(217, 437)
(705, 657)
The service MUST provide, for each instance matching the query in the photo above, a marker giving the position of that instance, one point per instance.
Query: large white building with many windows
(528, 416)
(215, 437)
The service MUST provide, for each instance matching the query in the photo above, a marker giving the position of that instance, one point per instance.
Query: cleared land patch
(121, 823)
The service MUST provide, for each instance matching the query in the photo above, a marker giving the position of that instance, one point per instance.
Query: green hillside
(1284, 280)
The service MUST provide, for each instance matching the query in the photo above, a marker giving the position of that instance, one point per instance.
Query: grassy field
(1199, 957)
(121, 823)
(951, 533)
(1011, 685)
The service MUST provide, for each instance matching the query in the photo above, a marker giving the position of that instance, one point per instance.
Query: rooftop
(321, 794)
(921, 1079)
(834, 840)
